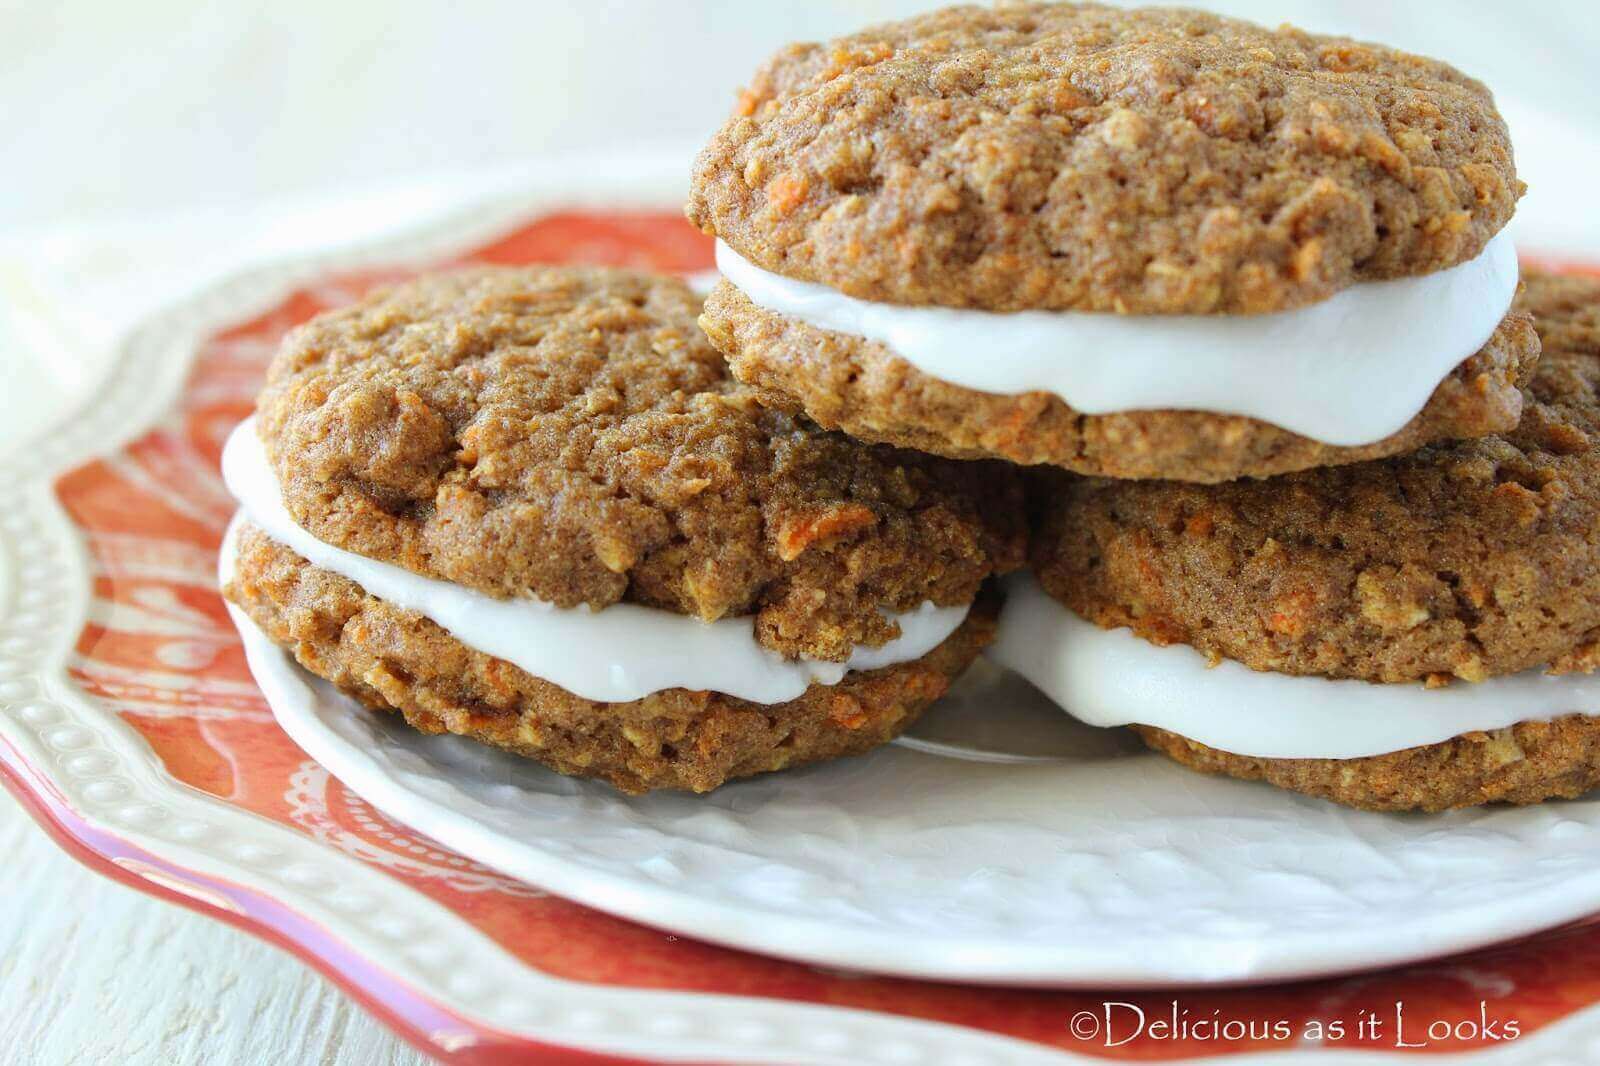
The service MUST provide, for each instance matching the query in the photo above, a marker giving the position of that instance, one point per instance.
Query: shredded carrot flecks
(787, 192)
(800, 532)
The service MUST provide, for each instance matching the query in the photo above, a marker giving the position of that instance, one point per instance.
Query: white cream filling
(619, 653)
(1348, 371)
(1113, 678)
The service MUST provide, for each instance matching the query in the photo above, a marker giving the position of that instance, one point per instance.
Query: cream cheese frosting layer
(620, 653)
(1110, 677)
(1348, 371)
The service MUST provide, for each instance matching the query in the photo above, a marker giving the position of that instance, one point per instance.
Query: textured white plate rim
(126, 792)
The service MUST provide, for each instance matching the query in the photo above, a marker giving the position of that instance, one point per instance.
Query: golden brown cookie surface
(1468, 561)
(1527, 763)
(1465, 560)
(1065, 156)
(569, 434)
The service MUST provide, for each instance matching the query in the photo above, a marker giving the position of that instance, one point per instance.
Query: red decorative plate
(131, 728)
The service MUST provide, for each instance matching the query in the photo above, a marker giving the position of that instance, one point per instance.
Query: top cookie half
(568, 435)
(1135, 243)
(1062, 156)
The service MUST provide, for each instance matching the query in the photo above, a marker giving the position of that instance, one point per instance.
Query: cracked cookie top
(1464, 560)
(569, 435)
(1066, 156)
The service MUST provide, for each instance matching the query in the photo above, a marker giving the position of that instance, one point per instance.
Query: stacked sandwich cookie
(1413, 633)
(531, 507)
(1243, 300)
(1132, 243)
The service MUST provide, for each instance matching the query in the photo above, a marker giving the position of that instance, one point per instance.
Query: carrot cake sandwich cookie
(531, 507)
(1132, 243)
(1414, 632)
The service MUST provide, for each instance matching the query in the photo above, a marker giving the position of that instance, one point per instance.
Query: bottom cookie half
(1526, 763)
(394, 659)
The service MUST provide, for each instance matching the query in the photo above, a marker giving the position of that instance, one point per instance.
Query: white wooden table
(91, 972)
(96, 973)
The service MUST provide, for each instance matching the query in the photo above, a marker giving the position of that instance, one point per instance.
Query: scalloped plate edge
(100, 791)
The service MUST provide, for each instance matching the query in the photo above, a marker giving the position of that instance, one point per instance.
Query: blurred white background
(112, 108)
(193, 113)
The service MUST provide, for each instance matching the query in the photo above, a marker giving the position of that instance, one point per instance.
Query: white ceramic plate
(1003, 843)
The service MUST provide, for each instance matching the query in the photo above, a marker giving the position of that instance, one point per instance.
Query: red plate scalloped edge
(145, 691)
